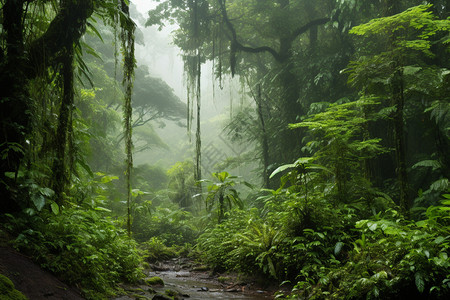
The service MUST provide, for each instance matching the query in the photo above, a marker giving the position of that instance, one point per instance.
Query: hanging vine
(198, 139)
(127, 39)
(192, 62)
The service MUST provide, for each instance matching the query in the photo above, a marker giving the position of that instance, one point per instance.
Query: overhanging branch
(308, 26)
(67, 27)
(237, 46)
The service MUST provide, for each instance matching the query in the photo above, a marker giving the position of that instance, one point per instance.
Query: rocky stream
(182, 280)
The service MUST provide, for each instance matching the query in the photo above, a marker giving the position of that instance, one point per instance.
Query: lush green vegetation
(341, 141)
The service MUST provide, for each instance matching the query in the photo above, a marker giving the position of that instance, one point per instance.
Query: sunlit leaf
(55, 208)
(338, 248)
(38, 201)
(420, 283)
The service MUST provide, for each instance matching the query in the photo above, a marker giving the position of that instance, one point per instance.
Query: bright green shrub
(156, 250)
(83, 247)
(171, 224)
(216, 244)
(391, 258)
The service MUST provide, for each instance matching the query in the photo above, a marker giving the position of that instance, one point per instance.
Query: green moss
(154, 281)
(200, 268)
(138, 291)
(7, 290)
(223, 279)
(171, 293)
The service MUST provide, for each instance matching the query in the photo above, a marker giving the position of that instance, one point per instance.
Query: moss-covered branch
(67, 27)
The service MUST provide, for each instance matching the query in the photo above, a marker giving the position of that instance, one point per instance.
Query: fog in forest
(218, 149)
(218, 101)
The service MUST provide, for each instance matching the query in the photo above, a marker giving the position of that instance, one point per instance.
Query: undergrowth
(82, 247)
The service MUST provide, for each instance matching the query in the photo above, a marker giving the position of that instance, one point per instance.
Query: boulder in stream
(154, 281)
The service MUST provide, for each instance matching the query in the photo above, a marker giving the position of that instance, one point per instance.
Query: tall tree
(30, 52)
(256, 37)
(404, 51)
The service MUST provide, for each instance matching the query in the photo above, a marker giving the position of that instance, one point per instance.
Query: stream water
(196, 285)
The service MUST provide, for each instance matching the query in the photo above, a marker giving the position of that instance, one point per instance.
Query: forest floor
(32, 280)
(180, 274)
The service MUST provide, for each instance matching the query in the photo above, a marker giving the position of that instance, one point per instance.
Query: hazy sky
(144, 5)
(164, 61)
(159, 54)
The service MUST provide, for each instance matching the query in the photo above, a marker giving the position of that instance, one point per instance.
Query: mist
(218, 101)
(245, 149)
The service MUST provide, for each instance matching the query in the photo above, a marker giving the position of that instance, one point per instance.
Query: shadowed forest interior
(300, 147)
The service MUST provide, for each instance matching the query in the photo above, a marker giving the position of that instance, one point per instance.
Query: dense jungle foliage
(337, 185)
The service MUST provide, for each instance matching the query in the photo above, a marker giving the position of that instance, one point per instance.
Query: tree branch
(67, 27)
(236, 45)
(308, 26)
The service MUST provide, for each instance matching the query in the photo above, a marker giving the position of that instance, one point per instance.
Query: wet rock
(200, 268)
(182, 274)
(174, 294)
(154, 281)
(160, 267)
(161, 297)
(137, 291)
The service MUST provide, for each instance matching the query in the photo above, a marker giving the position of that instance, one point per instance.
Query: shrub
(83, 247)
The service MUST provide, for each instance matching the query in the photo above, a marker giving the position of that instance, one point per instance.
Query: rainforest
(224, 149)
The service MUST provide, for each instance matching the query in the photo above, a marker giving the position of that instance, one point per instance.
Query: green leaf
(46, 192)
(38, 201)
(420, 283)
(10, 175)
(85, 166)
(411, 70)
(380, 275)
(434, 164)
(372, 226)
(95, 31)
(107, 178)
(439, 240)
(30, 211)
(281, 169)
(55, 208)
(271, 267)
(338, 248)
(376, 292)
(361, 223)
(320, 235)
(99, 208)
(440, 185)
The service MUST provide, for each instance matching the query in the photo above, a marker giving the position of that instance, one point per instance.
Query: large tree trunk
(264, 141)
(60, 177)
(18, 65)
(399, 136)
(398, 99)
(14, 102)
